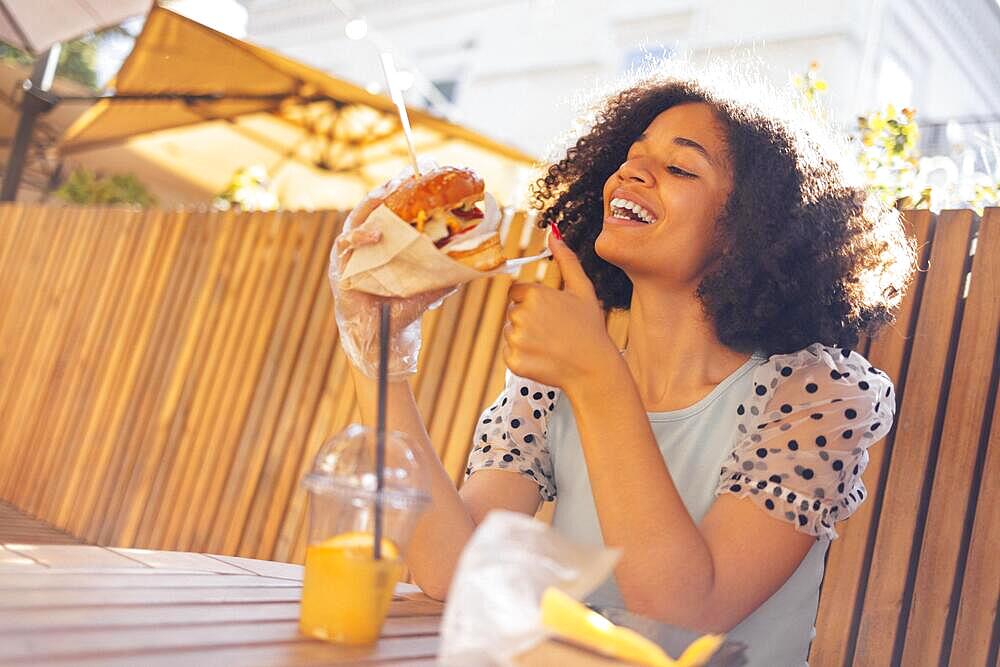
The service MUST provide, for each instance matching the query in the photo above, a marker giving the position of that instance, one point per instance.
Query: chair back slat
(914, 450)
(837, 619)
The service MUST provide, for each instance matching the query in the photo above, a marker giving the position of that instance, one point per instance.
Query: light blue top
(790, 432)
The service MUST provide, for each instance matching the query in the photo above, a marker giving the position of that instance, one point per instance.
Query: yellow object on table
(573, 621)
(345, 591)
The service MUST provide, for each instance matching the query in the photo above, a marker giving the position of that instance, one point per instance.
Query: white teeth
(627, 205)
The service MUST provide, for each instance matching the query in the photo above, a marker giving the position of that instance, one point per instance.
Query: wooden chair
(914, 578)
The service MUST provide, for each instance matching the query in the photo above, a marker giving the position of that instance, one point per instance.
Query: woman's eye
(680, 172)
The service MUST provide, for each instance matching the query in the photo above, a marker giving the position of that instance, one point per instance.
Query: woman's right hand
(357, 313)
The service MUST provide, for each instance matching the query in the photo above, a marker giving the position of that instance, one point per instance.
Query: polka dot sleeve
(512, 433)
(804, 433)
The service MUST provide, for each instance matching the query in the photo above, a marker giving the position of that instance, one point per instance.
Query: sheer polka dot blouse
(512, 433)
(803, 436)
(799, 444)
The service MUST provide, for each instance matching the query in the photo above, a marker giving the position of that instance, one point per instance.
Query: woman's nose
(635, 170)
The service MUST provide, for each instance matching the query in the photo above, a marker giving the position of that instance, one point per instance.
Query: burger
(444, 205)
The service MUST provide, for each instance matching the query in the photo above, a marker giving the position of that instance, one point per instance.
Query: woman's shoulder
(803, 435)
(818, 371)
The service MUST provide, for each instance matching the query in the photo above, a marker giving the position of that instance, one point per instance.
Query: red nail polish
(555, 232)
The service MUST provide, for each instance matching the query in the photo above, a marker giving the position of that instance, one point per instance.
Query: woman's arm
(445, 527)
(448, 523)
(708, 577)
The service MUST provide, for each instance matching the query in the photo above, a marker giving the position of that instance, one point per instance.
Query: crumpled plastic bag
(493, 611)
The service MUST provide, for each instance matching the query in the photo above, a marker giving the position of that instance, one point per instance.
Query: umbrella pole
(37, 100)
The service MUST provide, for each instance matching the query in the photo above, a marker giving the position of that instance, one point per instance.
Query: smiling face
(661, 205)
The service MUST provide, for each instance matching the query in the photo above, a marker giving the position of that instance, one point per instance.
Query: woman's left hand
(557, 337)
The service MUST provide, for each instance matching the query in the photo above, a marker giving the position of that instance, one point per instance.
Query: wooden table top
(87, 605)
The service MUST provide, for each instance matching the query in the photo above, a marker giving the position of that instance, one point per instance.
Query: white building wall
(519, 65)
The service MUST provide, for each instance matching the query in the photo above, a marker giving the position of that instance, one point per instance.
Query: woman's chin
(614, 250)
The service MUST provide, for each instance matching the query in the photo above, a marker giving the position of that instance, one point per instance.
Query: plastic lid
(345, 466)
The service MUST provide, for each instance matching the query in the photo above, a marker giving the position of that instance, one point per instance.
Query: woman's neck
(673, 352)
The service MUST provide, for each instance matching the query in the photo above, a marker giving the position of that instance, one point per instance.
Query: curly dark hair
(806, 255)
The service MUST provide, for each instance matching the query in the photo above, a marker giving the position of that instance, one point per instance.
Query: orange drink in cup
(346, 591)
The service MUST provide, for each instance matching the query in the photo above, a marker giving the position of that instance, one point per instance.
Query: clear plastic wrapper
(379, 258)
(357, 313)
(493, 616)
(405, 263)
(493, 610)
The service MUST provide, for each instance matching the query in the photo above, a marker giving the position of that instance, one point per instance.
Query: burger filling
(442, 225)
(468, 212)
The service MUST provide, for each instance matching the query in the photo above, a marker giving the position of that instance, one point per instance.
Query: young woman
(722, 446)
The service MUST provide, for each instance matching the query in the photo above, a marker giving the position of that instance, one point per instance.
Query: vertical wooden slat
(198, 433)
(286, 347)
(977, 608)
(37, 339)
(59, 294)
(35, 257)
(148, 296)
(173, 320)
(187, 399)
(118, 385)
(954, 475)
(434, 355)
(12, 219)
(343, 408)
(232, 398)
(108, 322)
(24, 226)
(243, 444)
(277, 481)
(846, 570)
(169, 302)
(158, 453)
(885, 603)
(76, 303)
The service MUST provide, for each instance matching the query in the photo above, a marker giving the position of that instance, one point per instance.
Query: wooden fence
(166, 377)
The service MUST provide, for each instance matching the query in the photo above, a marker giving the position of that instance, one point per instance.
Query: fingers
(356, 238)
(520, 291)
(360, 213)
(574, 277)
(433, 299)
(351, 239)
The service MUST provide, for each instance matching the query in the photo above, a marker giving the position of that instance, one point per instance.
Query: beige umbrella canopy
(43, 162)
(203, 104)
(35, 25)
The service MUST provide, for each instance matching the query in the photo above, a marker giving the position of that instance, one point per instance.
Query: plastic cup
(346, 592)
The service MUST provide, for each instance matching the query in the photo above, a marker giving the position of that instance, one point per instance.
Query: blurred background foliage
(249, 189)
(83, 186)
(888, 154)
(77, 60)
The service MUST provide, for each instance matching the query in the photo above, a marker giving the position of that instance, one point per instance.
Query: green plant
(86, 187)
(896, 173)
(889, 156)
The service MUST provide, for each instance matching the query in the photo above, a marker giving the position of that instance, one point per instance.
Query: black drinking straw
(383, 386)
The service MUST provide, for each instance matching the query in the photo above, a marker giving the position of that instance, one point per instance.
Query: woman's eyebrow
(684, 141)
(688, 143)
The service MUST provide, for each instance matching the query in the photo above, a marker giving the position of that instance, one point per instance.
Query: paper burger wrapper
(405, 262)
